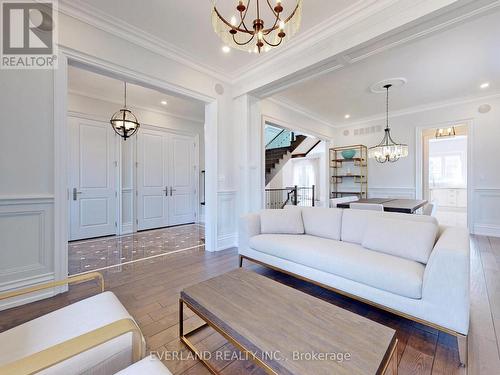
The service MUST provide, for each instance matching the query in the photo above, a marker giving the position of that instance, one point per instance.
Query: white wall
(27, 145)
(399, 179)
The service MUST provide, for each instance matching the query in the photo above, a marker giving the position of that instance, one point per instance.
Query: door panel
(181, 210)
(92, 179)
(152, 205)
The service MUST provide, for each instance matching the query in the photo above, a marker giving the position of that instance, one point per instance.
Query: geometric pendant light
(124, 122)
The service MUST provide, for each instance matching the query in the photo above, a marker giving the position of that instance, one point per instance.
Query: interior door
(181, 180)
(93, 172)
(152, 176)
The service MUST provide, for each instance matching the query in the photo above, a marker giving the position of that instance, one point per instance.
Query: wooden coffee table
(286, 331)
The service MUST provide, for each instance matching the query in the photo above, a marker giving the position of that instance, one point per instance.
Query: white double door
(166, 171)
(92, 193)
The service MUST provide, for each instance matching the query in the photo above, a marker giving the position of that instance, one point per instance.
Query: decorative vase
(348, 154)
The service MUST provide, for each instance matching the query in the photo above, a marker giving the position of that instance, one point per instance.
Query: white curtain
(306, 172)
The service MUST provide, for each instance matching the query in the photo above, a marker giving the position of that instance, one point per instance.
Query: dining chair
(429, 209)
(335, 201)
(367, 206)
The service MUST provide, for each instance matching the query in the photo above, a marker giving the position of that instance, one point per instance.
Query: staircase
(279, 151)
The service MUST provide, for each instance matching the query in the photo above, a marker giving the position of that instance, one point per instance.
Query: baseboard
(227, 241)
(25, 283)
(127, 228)
(487, 230)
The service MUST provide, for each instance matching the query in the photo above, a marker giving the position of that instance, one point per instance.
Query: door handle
(166, 191)
(172, 190)
(75, 194)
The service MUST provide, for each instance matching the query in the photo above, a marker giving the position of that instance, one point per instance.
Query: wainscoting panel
(487, 212)
(27, 244)
(227, 230)
(391, 192)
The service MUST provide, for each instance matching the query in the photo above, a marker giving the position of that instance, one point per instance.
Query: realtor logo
(28, 34)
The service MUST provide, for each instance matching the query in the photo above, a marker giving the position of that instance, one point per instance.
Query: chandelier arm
(244, 43)
(272, 9)
(271, 44)
(229, 24)
(274, 26)
(267, 31)
(243, 16)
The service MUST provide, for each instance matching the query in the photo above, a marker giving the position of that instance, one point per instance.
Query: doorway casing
(419, 159)
(61, 208)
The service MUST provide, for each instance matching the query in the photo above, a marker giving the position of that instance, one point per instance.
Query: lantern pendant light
(124, 122)
(388, 150)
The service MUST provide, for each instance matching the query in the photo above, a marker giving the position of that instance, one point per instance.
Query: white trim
(61, 192)
(25, 199)
(487, 230)
(142, 108)
(423, 108)
(115, 26)
(300, 110)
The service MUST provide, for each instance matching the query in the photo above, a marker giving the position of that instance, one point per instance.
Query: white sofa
(403, 263)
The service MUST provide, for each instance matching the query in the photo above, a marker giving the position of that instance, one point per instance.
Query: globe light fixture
(124, 122)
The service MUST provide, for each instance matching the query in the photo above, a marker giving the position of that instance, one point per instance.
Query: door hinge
(116, 163)
(116, 224)
(136, 164)
(137, 221)
(116, 194)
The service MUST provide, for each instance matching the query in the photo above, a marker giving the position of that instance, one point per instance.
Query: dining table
(406, 206)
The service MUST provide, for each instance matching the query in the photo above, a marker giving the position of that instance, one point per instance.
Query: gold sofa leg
(463, 349)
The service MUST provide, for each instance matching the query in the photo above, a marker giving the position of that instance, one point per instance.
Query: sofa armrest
(447, 274)
(249, 226)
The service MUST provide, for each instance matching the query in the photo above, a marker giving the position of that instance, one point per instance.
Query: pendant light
(124, 122)
(388, 150)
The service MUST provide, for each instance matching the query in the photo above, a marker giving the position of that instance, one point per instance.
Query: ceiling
(97, 86)
(187, 24)
(451, 64)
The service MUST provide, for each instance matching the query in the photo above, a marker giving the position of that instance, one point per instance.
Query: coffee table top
(285, 327)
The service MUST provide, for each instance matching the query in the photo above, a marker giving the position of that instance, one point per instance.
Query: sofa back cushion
(322, 222)
(281, 222)
(407, 239)
(356, 222)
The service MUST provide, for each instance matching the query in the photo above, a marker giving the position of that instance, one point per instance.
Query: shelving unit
(349, 176)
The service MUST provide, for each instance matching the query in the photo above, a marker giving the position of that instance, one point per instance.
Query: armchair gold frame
(58, 353)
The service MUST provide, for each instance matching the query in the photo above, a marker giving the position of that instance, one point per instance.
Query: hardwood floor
(149, 289)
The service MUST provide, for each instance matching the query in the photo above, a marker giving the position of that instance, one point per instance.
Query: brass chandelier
(257, 37)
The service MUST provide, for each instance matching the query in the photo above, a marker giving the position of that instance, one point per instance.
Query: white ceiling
(101, 87)
(187, 24)
(451, 64)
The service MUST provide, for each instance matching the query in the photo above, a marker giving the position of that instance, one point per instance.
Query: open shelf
(349, 176)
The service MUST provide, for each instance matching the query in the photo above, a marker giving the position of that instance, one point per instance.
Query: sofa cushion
(66, 323)
(322, 222)
(351, 261)
(356, 222)
(281, 221)
(406, 239)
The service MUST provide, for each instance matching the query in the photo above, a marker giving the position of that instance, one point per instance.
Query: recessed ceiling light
(226, 49)
(163, 102)
(348, 116)
(485, 85)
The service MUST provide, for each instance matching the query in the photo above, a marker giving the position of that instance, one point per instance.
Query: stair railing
(295, 196)
(283, 139)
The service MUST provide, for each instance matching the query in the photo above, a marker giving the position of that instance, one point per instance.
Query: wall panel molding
(27, 240)
(227, 231)
(487, 211)
(391, 192)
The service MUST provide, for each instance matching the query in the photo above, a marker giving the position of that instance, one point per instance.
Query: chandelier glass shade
(124, 122)
(388, 150)
(258, 25)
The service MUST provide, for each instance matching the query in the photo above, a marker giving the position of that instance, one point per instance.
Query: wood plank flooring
(149, 290)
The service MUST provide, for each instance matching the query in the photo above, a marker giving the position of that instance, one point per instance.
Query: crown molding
(142, 108)
(349, 16)
(115, 26)
(300, 110)
(421, 108)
